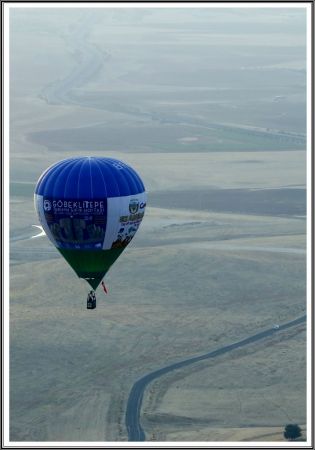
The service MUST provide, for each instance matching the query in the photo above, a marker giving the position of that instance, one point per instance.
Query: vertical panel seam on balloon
(117, 184)
(69, 174)
(108, 201)
(78, 185)
(97, 164)
(132, 184)
(52, 168)
(114, 203)
(112, 177)
(58, 174)
(139, 181)
(91, 178)
(107, 206)
(56, 171)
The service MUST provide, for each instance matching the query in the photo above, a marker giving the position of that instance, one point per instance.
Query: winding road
(90, 61)
(132, 419)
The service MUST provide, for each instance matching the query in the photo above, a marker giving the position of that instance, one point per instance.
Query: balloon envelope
(90, 208)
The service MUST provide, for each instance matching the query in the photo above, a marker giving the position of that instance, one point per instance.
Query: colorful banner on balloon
(91, 224)
(124, 217)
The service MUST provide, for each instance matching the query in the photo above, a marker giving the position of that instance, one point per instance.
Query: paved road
(134, 429)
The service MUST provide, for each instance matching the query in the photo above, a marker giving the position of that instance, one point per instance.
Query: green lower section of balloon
(91, 265)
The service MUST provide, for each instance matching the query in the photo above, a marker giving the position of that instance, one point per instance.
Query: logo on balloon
(133, 206)
(47, 205)
(117, 165)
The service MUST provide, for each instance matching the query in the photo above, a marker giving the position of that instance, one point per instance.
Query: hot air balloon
(90, 208)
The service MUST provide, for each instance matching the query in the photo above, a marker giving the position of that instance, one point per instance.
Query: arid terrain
(221, 252)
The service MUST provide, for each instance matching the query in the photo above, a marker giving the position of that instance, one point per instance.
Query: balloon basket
(91, 303)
